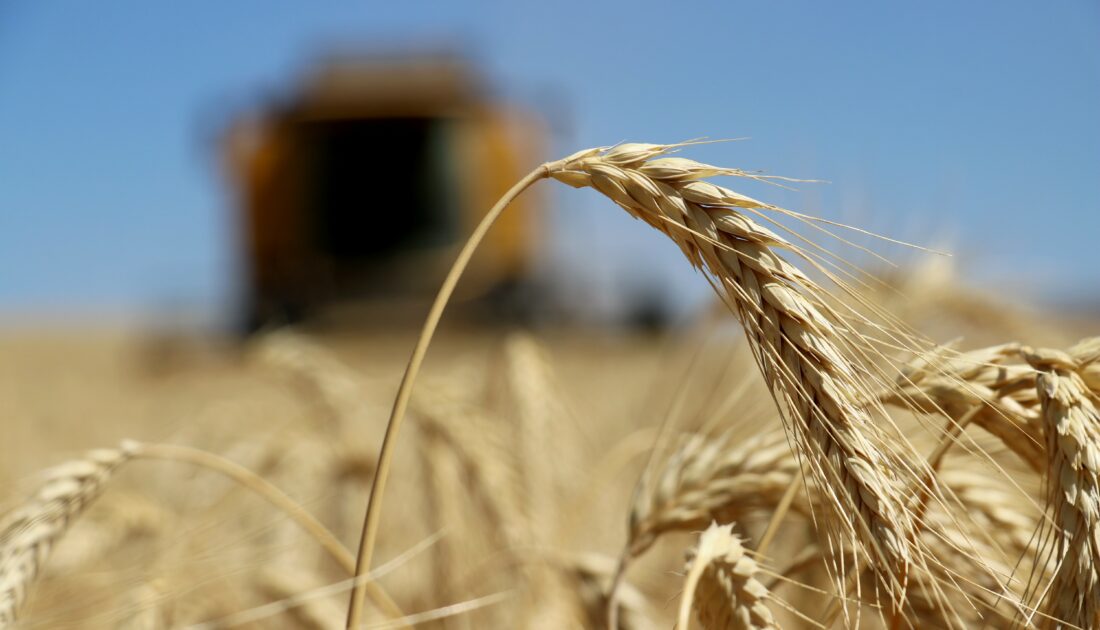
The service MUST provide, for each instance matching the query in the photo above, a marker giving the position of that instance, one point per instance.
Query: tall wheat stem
(404, 392)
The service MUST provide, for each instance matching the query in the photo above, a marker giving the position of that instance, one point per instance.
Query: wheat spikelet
(1000, 512)
(711, 479)
(721, 585)
(801, 349)
(29, 533)
(994, 508)
(1072, 426)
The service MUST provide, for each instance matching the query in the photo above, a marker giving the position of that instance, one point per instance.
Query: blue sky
(972, 123)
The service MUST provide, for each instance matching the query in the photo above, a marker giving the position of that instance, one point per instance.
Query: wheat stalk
(721, 585)
(1072, 425)
(28, 534)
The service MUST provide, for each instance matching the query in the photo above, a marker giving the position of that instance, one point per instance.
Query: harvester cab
(361, 185)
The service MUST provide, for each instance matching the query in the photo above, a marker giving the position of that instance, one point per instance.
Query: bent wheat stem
(401, 403)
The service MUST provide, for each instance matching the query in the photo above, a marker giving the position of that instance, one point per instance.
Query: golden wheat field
(825, 447)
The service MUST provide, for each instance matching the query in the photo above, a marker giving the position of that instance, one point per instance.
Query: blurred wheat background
(516, 479)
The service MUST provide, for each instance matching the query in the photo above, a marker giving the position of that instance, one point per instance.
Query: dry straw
(308, 614)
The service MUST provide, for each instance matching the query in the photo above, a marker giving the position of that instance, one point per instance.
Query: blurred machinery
(363, 184)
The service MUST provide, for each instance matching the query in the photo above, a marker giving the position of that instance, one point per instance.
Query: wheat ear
(711, 479)
(1072, 426)
(800, 350)
(721, 585)
(28, 534)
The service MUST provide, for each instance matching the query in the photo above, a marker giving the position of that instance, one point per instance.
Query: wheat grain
(721, 585)
(1072, 426)
(28, 534)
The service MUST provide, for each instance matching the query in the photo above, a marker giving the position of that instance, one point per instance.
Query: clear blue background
(965, 123)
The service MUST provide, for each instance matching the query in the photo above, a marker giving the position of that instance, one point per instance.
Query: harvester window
(378, 187)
